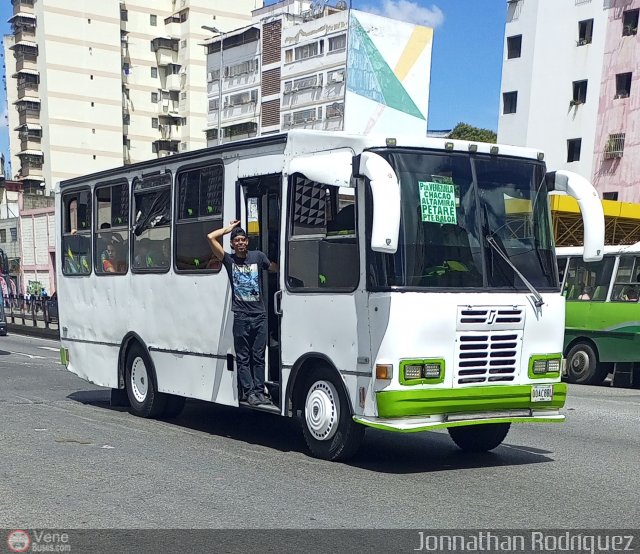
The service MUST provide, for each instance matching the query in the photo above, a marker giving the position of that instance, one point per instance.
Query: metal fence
(30, 311)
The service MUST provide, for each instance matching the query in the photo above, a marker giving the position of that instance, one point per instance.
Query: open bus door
(260, 202)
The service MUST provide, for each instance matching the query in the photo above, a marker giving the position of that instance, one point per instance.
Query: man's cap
(238, 231)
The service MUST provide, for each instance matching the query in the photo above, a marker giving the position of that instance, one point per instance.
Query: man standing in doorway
(250, 318)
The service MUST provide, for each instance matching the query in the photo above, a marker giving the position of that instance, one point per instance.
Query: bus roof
(306, 141)
(611, 249)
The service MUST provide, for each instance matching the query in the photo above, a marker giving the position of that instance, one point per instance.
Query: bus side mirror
(582, 190)
(385, 191)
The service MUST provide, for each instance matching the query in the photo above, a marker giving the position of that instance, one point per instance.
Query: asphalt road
(68, 460)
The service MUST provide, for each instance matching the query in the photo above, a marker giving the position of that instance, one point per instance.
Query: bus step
(274, 390)
(261, 407)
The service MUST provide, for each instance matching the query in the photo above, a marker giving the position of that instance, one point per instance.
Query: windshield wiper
(538, 298)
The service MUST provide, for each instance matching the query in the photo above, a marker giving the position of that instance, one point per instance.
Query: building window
(573, 150)
(514, 47)
(337, 43)
(3, 235)
(609, 195)
(510, 102)
(154, 72)
(154, 97)
(124, 15)
(623, 85)
(585, 32)
(112, 229)
(126, 119)
(579, 92)
(14, 234)
(615, 146)
(153, 20)
(154, 122)
(630, 23)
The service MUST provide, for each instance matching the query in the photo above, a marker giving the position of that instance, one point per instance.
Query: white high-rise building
(96, 84)
(551, 79)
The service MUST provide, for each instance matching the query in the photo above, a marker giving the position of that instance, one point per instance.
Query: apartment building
(94, 85)
(571, 87)
(310, 65)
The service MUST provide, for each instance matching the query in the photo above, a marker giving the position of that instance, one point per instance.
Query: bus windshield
(453, 206)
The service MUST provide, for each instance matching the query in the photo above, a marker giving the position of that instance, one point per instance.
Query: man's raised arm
(213, 237)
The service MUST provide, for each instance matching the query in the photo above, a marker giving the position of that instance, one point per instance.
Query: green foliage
(464, 131)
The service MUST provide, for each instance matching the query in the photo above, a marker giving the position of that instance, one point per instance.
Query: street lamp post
(216, 30)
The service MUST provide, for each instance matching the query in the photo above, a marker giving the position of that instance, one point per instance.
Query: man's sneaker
(263, 399)
(253, 400)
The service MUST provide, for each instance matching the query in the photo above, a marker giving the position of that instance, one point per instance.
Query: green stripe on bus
(426, 402)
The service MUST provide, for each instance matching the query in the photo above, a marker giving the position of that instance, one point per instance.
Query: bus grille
(475, 318)
(491, 357)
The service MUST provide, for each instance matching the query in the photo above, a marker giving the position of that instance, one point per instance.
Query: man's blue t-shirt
(246, 284)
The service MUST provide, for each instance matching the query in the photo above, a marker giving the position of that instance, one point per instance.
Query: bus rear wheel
(582, 366)
(141, 384)
(327, 423)
(479, 438)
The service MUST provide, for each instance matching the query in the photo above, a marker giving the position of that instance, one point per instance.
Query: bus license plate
(542, 393)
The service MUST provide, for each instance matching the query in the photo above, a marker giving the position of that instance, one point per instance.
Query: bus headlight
(425, 371)
(544, 364)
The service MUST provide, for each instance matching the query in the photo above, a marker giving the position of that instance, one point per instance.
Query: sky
(466, 61)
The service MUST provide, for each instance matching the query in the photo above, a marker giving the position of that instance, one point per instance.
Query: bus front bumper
(424, 409)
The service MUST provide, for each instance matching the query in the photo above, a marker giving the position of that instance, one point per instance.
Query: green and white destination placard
(437, 202)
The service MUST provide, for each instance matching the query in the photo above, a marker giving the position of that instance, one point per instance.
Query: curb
(41, 332)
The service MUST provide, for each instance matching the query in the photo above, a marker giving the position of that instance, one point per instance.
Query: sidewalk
(39, 330)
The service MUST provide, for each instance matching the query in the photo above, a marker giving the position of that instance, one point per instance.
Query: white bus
(418, 286)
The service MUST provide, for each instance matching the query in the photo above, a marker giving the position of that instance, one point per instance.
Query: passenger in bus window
(631, 295)
(250, 318)
(586, 293)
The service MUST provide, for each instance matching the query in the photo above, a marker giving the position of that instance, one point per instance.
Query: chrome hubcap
(579, 362)
(139, 380)
(322, 410)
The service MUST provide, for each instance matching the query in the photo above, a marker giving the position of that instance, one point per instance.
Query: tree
(464, 131)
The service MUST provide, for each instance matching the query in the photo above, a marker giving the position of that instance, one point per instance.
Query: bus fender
(128, 339)
(296, 382)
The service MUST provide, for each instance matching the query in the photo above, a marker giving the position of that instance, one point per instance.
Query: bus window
(627, 282)
(112, 229)
(322, 246)
(152, 224)
(588, 280)
(199, 196)
(76, 233)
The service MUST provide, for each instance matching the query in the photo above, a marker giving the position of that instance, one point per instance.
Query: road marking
(49, 348)
(31, 356)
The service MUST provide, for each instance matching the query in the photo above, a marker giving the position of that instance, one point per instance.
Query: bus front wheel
(142, 390)
(327, 424)
(479, 438)
(582, 366)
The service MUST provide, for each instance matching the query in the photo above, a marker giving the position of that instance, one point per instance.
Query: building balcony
(27, 90)
(22, 6)
(166, 50)
(30, 143)
(239, 131)
(172, 82)
(165, 147)
(29, 116)
(172, 27)
(169, 108)
(26, 62)
(26, 34)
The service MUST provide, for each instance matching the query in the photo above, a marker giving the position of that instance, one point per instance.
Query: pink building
(616, 167)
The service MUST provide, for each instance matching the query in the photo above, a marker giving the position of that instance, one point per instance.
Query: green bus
(602, 326)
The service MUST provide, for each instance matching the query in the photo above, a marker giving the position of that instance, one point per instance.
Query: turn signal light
(384, 371)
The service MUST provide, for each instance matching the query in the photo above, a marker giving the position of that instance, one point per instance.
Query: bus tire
(479, 438)
(141, 384)
(582, 365)
(327, 423)
(174, 406)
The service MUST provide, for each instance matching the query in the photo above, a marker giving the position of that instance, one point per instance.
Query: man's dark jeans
(250, 341)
